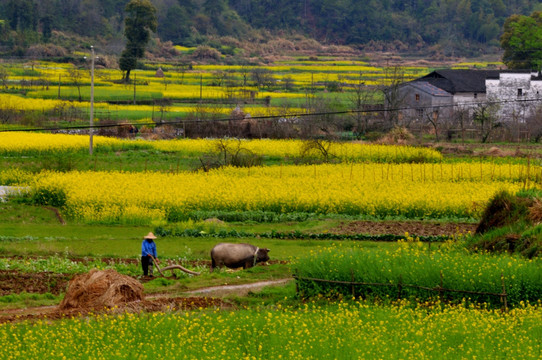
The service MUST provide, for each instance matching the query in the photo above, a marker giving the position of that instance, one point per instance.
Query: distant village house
(443, 92)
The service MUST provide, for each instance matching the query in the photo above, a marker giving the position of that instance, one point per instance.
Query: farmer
(148, 249)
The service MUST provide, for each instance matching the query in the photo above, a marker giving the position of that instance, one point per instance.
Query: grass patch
(13, 214)
(26, 300)
(284, 295)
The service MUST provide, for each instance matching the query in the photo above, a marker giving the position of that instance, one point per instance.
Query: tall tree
(141, 20)
(522, 41)
(175, 26)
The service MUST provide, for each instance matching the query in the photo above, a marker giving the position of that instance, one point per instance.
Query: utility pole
(91, 129)
(200, 88)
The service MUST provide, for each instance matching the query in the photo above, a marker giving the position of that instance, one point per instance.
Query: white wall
(513, 107)
(468, 98)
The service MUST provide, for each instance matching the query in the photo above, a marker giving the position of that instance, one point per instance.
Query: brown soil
(415, 228)
(160, 304)
(489, 150)
(14, 282)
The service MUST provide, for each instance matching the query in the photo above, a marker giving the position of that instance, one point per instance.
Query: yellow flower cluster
(370, 189)
(337, 331)
(14, 102)
(294, 148)
(20, 142)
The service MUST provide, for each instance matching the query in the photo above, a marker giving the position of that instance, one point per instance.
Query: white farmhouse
(517, 93)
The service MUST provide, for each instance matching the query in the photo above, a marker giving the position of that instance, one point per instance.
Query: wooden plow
(173, 267)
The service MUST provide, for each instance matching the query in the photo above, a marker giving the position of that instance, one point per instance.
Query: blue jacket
(148, 247)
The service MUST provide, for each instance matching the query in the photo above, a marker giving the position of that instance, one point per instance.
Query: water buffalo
(237, 255)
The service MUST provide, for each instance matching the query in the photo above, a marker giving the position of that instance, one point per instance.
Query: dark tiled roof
(429, 89)
(457, 81)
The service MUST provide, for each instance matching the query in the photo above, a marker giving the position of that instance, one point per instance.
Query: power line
(280, 116)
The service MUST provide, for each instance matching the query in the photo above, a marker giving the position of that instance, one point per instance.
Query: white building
(517, 94)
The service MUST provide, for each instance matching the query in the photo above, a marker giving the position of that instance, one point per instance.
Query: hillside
(447, 27)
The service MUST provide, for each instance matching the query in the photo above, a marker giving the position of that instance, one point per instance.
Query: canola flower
(414, 264)
(19, 142)
(15, 102)
(294, 148)
(336, 331)
(377, 190)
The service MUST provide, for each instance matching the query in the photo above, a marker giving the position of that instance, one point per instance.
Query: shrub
(510, 223)
(52, 197)
(206, 53)
(45, 50)
(502, 210)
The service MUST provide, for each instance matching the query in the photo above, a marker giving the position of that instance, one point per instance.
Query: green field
(44, 241)
(295, 86)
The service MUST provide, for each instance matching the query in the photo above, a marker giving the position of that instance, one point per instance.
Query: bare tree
(534, 124)
(393, 98)
(164, 106)
(4, 77)
(324, 123)
(76, 77)
(287, 82)
(319, 148)
(359, 100)
(245, 74)
(433, 118)
(230, 85)
(462, 118)
(219, 76)
(485, 115)
(263, 77)
(181, 69)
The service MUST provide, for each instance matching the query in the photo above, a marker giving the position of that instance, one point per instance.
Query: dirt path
(241, 290)
(200, 298)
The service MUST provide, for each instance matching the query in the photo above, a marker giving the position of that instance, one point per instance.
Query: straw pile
(101, 288)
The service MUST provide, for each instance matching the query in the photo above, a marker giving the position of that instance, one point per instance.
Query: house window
(419, 112)
(417, 97)
(475, 95)
(520, 92)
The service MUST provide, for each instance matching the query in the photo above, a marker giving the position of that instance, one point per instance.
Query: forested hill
(454, 25)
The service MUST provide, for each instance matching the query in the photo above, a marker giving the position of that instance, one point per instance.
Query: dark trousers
(146, 262)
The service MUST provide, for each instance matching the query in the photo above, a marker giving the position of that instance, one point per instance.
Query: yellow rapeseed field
(293, 148)
(19, 142)
(379, 190)
(336, 331)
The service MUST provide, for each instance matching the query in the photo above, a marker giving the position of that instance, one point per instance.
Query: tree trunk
(127, 76)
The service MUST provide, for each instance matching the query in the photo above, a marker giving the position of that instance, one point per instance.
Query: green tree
(141, 20)
(46, 28)
(175, 26)
(522, 41)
